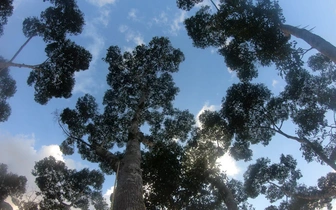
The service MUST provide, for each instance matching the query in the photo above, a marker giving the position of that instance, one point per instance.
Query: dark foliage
(7, 90)
(61, 187)
(6, 10)
(11, 184)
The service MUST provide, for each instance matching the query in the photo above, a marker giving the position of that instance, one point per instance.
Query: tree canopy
(10, 185)
(55, 76)
(62, 188)
(160, 158)
(6, 10)
(141, 91)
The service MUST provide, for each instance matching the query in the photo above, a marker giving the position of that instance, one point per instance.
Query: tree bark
(315, 41)
(129, 192)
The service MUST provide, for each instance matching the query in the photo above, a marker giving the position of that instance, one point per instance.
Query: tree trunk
(315, 41)
(129, 192)
(225, 193)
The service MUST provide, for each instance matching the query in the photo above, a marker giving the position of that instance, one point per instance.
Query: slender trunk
(7, 64)
(20, 49)
(225, 193)
(315, 41)
(129, 191)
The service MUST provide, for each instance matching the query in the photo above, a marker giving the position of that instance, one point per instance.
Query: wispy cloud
(103, 17)
(131, 35)
(85, 80)
(101, 3)
(274, 82)
(161, 19)
(171, 23)
(123, 28)
(132, 14)
(177, 23)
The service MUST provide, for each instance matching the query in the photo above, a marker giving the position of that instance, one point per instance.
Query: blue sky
(31, 132)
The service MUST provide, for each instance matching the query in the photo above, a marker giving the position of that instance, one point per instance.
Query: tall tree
(247, 31)
(141, 93)
(63, 188)
(252, 114)
(10, 185)
(55, 76)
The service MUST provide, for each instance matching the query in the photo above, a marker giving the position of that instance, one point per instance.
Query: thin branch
(214, 5)
(17, 53)
(100, 151)
(20, 49)
(306, 52)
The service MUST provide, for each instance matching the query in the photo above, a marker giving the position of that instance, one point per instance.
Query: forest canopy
(122, 124)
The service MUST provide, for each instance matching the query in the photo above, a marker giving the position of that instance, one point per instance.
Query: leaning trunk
(128, 195)
(315, 41)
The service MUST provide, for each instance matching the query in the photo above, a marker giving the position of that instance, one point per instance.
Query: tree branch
(4, 65)
(315, 41)
(100, 151)
(305, 141)
(319, 194)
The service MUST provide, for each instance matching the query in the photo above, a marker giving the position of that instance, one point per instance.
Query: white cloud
(107, 195)
(132, 14)
(101, 3)
(228, 165)
(204, 108)
(274, 82)
(176, 25)
(20, 155)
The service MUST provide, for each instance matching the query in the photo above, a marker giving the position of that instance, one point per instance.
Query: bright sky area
(31, 133)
